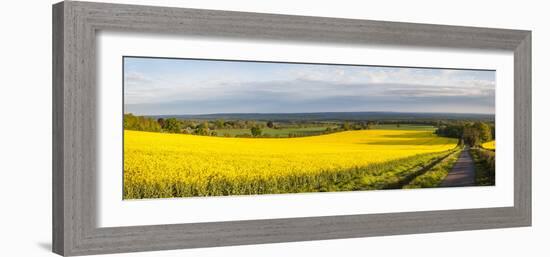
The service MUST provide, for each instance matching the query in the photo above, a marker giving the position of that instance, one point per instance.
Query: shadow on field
(419, 134)
(406, 142)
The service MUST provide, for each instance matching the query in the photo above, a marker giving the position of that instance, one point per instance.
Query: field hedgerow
(485, 166)
(158, 165)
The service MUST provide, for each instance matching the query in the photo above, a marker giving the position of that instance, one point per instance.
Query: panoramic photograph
(199, 127)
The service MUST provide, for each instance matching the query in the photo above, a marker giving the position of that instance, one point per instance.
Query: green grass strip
(403, 172)
(436, 174)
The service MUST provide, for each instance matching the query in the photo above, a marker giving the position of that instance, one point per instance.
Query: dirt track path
(463, 173)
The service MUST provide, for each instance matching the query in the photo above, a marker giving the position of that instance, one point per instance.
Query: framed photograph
(181, 128)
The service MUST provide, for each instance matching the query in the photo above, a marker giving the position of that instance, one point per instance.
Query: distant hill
(334, 116)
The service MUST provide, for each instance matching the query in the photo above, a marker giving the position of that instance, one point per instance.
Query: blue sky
(180, 86)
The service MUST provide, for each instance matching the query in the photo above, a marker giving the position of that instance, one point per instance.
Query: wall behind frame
(25, 111)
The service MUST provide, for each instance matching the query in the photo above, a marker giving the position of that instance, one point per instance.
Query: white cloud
(310, 83)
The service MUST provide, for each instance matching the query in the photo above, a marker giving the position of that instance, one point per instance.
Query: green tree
(219, 124)
(485, 133)
(346, 126)
(270, 124)
(160, 121)
(471, 135)
(140, 123)
(129, 121)
(172, 125)
(256, 131)
(203, 129)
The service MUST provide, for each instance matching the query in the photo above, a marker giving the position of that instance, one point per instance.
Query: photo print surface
(201, 128)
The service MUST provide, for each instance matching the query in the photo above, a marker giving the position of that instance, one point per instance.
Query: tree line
(204, 128)
(209, 128)
(470, 133)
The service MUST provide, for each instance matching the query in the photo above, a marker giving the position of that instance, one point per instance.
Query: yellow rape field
(161, 165)
(489, 145)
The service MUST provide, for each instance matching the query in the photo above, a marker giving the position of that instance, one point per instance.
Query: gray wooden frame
(74, 129)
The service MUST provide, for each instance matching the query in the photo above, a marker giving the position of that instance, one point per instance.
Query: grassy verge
(395, 174)
(485, 166)
(434, 176)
